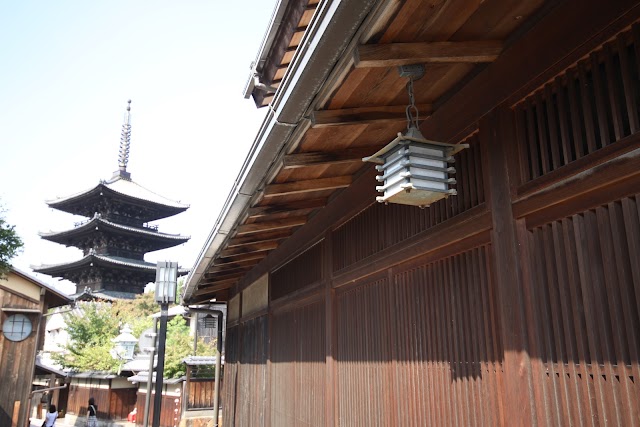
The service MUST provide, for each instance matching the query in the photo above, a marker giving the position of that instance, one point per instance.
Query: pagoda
(116, 234)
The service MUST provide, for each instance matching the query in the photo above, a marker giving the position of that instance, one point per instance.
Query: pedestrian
(92, 412)
(50, 418)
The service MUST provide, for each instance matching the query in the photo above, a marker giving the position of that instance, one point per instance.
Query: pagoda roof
(165, 240)
(58, 270)
(118, 187)
(102, 295)
(99, 260)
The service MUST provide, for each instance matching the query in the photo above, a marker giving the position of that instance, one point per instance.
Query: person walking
(92, 412)
(50, 418)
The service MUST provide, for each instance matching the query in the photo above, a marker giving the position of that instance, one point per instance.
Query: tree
(93, 325)
(10, 244)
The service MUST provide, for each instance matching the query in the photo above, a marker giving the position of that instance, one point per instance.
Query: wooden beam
(298, 205)
(217, 266)
(223, 275)
(349, 155)
(307, 186)
(267, 236)
(209, 287)
(365, 115)
(247, 249)
(394, 54)
(258, 227)
(239, 260)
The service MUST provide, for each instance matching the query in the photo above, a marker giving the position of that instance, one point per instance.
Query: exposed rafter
(212, 287)
(308, 186)
(248, 260)
(298, 206)
(258, 227)
(394, 54)
(365, 115)
(216, 277)
(251, 248)
(300, 160)
(267, 236)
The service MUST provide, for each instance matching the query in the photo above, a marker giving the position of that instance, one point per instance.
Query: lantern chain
(411, 110)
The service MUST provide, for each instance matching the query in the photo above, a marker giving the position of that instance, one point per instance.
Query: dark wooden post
(497, 137)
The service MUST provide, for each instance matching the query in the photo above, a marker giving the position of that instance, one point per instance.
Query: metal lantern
(210, 322)
(415, 171)
(166, 282)
(125, 344)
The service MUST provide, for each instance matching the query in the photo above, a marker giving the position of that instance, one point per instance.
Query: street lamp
(125, 344)
(166, 282)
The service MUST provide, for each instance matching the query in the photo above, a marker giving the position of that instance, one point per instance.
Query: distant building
(116, 234)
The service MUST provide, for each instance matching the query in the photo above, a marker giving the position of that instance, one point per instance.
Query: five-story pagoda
(115, 236)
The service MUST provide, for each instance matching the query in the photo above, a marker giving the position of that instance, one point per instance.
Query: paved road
(80, 423)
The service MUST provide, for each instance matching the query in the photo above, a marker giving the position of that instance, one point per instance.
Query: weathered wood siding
(168, 415)
(515, 303)
(17, 361)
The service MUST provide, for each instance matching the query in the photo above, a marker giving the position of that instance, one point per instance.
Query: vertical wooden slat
(601, 104)
(628, 85)
(536, 170)
(614, 96)
(552, 126)
(619, 356)
(563, 119)
(586, 108)
(523, 146)
(576, 389)
(576, 117)
(543, 140)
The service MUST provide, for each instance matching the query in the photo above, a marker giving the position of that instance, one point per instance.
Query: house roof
(53, 297)
(342, 98)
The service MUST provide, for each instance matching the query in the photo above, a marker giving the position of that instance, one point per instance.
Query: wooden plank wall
(534, 320)
(79, 398)
(200, 393)
(167, 416)
(17, 361)
(298, 366)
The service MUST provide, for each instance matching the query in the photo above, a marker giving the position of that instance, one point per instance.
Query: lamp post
(166, 281)
(215, 322)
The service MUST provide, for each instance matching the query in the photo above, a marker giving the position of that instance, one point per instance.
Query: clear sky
(67, 69)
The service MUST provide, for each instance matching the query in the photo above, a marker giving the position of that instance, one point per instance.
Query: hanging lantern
(415, 171)
(210, 322)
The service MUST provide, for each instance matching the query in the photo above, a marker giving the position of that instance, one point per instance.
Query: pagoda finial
(125, 142)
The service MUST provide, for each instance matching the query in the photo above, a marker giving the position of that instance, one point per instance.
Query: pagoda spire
(125, 143)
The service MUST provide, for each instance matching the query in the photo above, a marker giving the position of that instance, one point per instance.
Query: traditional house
(23, 302)
(514, 302)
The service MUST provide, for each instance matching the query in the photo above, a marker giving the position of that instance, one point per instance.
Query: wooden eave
(362, 108)
(292, 29)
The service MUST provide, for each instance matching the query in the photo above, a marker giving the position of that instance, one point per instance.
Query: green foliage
(93, 325)
(136, 312)
(10, 244)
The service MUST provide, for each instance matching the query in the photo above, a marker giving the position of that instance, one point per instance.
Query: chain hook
(411, 110)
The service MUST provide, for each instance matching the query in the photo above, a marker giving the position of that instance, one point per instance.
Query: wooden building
(23, 301)
(515, 302)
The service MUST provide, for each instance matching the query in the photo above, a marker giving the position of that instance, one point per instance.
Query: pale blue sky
(67, 69)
